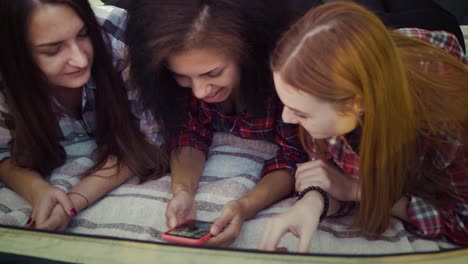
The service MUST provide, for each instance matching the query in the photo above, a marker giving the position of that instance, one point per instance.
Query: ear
(358, 105)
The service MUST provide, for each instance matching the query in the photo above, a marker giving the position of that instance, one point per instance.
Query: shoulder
(3, 101)
(6, 118)
(439, 38)
(113, 21)
(446, 146)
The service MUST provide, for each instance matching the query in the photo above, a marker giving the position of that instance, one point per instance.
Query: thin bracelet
(84, 197)
(326, 202)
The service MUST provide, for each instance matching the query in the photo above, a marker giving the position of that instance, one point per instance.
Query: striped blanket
(136, 211)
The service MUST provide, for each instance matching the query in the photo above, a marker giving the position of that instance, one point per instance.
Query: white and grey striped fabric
(136, 211)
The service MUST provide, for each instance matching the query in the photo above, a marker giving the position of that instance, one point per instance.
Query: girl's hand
(319, 173)
(301, 220)
(57, 221)
(44, 201)
(180, 208)
(227, 227)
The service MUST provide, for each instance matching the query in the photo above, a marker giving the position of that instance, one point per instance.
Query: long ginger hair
(341, 51)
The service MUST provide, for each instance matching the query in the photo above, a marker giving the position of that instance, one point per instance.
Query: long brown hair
(341, 51)
(36, 141)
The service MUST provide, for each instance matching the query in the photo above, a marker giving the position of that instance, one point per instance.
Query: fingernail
(282, 249)
(73, 212)
(214, 230)
(172, 223)
(29, 221)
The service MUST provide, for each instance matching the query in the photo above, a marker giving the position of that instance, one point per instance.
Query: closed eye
(214, 74)
(300, 115)
(52, 50)
(177, 76)
(83, 32)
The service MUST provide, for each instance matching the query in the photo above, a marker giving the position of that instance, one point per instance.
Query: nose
(78, 57)
(288, 116)
(200, 89)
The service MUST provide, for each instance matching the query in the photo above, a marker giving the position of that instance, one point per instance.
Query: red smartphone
(191, 232)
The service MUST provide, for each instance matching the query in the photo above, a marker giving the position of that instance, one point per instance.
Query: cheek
(309, 125)
(320, 126)
(50, 66)
(231, 78)
(184, 82)
(225, 82)
(346, 124)
(87, 48)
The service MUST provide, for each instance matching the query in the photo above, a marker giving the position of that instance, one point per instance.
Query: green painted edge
(85, 249)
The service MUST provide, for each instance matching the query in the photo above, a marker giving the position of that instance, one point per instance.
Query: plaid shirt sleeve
(346, 207)
(290, 151)
(197, 131)
(452, 158)
(442, 39)
(6, 126)
(452, 222)
(113, 21)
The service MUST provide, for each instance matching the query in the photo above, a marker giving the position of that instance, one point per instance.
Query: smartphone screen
(194, 229)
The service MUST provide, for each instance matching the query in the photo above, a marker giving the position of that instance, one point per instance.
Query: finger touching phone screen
(191, 232)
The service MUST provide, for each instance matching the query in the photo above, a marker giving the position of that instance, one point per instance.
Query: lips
(213, 94)
(214, 97)
(78, 72)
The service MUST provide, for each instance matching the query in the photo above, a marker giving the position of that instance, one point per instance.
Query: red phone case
(185, 240)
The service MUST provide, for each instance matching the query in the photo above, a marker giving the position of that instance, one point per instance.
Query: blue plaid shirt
(113, 22)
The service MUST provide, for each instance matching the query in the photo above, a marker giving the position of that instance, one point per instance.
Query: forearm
(273, 187)
(21, 180)
(315, 201)
(96, 185)
(186, 168)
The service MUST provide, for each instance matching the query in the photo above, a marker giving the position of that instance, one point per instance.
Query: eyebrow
(49, 44)
(220, 68)
(213, 70)
(57, 42)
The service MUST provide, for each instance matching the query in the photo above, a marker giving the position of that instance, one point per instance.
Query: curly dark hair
(244, 29)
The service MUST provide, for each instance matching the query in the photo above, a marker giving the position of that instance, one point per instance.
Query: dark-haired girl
(62, 84)
(215, 53)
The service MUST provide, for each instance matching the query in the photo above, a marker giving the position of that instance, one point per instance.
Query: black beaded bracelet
(326, 202)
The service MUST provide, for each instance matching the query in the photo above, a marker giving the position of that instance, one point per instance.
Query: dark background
(458, 8)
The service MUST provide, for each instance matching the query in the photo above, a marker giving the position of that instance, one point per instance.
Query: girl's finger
(273, 237)
(305, 184)
(66, 203)
(42, 212)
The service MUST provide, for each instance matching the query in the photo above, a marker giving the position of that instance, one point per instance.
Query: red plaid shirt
(450, 157)
(204, 119)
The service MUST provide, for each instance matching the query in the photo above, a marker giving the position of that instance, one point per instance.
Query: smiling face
(60, 45)
(212, 76)
(320, 118)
